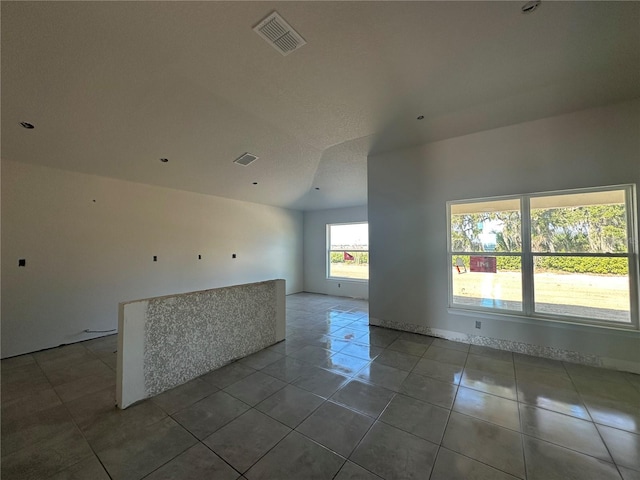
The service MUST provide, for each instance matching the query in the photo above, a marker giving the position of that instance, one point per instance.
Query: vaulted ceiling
(112, 87)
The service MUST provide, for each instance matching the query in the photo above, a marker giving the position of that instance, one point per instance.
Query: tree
(594, 229)
(588, 229)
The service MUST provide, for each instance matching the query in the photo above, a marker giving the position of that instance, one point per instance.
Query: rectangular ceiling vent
(245, 159)
(279, 34)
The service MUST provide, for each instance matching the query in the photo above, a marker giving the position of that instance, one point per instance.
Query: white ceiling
(114, 86)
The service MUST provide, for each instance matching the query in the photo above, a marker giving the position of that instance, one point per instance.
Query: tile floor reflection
(337, 399)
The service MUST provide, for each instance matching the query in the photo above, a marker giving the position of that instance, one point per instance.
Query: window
(348, 251)
(486, 240)
(562, 255)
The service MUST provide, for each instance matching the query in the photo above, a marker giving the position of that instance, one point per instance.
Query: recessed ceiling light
(420, 117)
(27, 125)
(530, 6)
(164, 160)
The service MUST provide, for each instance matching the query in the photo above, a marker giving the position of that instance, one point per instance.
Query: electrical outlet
(233, 255)
(478, 324)
(155, 258)
(338, 285)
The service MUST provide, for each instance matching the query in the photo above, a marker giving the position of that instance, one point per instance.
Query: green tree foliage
(593, 229)
(599, 266)
(466, 230)
(582, 229)
(359, 258)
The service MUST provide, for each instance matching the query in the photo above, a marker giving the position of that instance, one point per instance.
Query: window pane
(593, 222)
(349, 264)
(487, 281)
(354, 236)
(492, 226)
(587, 287)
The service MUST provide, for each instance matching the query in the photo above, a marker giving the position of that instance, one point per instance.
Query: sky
(350, 234)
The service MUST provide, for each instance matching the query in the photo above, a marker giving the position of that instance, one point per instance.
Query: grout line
(524, 456)
(493, 467)
(75, 423)
(612, 462)
(518, 404)
(450, 411)
(375, 419)
(261, 456)
(208, 448)
(350, 378)
(180, 453)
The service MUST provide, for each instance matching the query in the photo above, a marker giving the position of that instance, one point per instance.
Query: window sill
(346, 279)
(537, 319)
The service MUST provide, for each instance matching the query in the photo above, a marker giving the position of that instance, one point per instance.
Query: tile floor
(337, 400)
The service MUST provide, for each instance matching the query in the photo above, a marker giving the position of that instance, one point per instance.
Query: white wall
(315, 252)
(84, 257)
(408, 191)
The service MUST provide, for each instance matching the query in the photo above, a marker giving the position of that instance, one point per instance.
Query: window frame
(329, 251)
(527, 260)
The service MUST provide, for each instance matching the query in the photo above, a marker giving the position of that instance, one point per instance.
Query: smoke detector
(245, 159)
(279, 34)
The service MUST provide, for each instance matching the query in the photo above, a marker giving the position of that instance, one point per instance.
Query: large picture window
(563, 255)
(348, 251)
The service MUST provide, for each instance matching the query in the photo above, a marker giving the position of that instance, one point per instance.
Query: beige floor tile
(143, 451)
(88, 469)
(47, 457)
(196, 463)
(546, 461)
(243, 441)
(486, 442)
(489, 408)
(393, 453)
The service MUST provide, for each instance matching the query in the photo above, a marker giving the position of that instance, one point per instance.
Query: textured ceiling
(114, 86)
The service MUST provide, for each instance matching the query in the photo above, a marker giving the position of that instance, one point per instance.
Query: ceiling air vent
(245, 159)
(279, 34)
